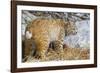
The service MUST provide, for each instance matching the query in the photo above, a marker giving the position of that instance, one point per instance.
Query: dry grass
(69, 54)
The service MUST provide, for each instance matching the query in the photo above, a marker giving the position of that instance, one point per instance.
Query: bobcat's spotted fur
(43, 31)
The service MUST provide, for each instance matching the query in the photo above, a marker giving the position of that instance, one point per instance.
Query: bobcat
(43, 31)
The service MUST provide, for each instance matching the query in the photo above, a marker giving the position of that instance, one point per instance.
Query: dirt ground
(69, 54)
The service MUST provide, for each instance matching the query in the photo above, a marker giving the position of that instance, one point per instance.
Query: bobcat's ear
(28, 35)
(69, 23)
(66, 24)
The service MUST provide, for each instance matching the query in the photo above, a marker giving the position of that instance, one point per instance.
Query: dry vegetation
(69, 54)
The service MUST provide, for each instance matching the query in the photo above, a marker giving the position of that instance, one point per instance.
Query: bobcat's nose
(28, 35)
(74, 33)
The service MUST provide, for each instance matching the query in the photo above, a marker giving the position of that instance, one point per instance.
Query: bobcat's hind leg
(41, 49)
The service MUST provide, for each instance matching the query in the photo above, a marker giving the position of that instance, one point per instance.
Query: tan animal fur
(44, 31)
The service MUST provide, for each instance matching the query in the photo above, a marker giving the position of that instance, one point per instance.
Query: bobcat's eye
(28, 35)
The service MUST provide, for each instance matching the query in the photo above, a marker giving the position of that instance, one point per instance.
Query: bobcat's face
(70, 28)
